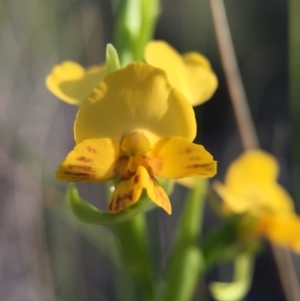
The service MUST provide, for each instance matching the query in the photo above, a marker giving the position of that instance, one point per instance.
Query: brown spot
(129, 174)
(79, 174)
(80, 167)
(125, 196)
(91, 150)
(156, 164)
(192, 166)
(160, 195)
(83, 159)
(188, 150)
(120, 164)
(136, 179)
(110, 207)
(118, 202)
(195, 158)
(203, 174)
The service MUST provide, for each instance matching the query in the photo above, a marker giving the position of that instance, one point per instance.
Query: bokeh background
(45, 254)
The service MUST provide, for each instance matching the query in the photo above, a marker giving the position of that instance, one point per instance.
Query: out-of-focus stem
(294, 93)
(233, 77)
(287, 273)
(282, 257)
(186, 264)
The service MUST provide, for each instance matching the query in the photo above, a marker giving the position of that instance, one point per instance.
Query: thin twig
(233, 77)
(248, 135)
(287, 273)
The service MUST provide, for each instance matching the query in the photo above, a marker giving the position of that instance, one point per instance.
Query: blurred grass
(42, 259)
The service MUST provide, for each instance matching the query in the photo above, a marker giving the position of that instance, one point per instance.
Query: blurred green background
(45, 254)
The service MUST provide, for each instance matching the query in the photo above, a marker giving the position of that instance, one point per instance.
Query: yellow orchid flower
(190, 73)
(72, 83)
(251, 188)
(135, 126)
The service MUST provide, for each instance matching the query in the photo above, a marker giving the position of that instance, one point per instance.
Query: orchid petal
(191, 73)
(135, 98)
(202, 81)
(282, 229)
(71, 83)
(176, 157)
(129, 190)
(93, 160)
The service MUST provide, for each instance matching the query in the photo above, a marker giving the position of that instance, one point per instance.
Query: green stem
(134, 28)
(134, 249)
(186, 263)
(221, 243)
(149, 12)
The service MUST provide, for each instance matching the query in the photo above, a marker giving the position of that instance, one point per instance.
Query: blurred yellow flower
(72, 83)
(135, 126)
(251, 188)
(190, 73)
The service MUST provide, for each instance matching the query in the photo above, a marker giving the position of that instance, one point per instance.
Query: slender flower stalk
(294, 93)
(236, 89)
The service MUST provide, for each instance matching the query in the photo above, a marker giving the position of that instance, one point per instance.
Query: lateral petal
(72, 83)
(202, 81)
(176, 158)
(190, 73)
(255, 199)
(92, 160)
(282, 229)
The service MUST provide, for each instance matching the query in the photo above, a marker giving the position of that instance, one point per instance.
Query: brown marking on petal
(118, 202)
(120, 164)
(203, 174)
(110, 207)
(77, 174)
(193, 166)
(150, 179)
(81, 167)
(83, 159)
(127, 175)
(136, 179)
(91, 150)
(156, 164)
(187, 151)
(195, 158)
(160, 195)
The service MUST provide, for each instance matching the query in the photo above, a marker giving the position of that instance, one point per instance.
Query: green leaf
(236, 290)
(112, 59)
(90, 214)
